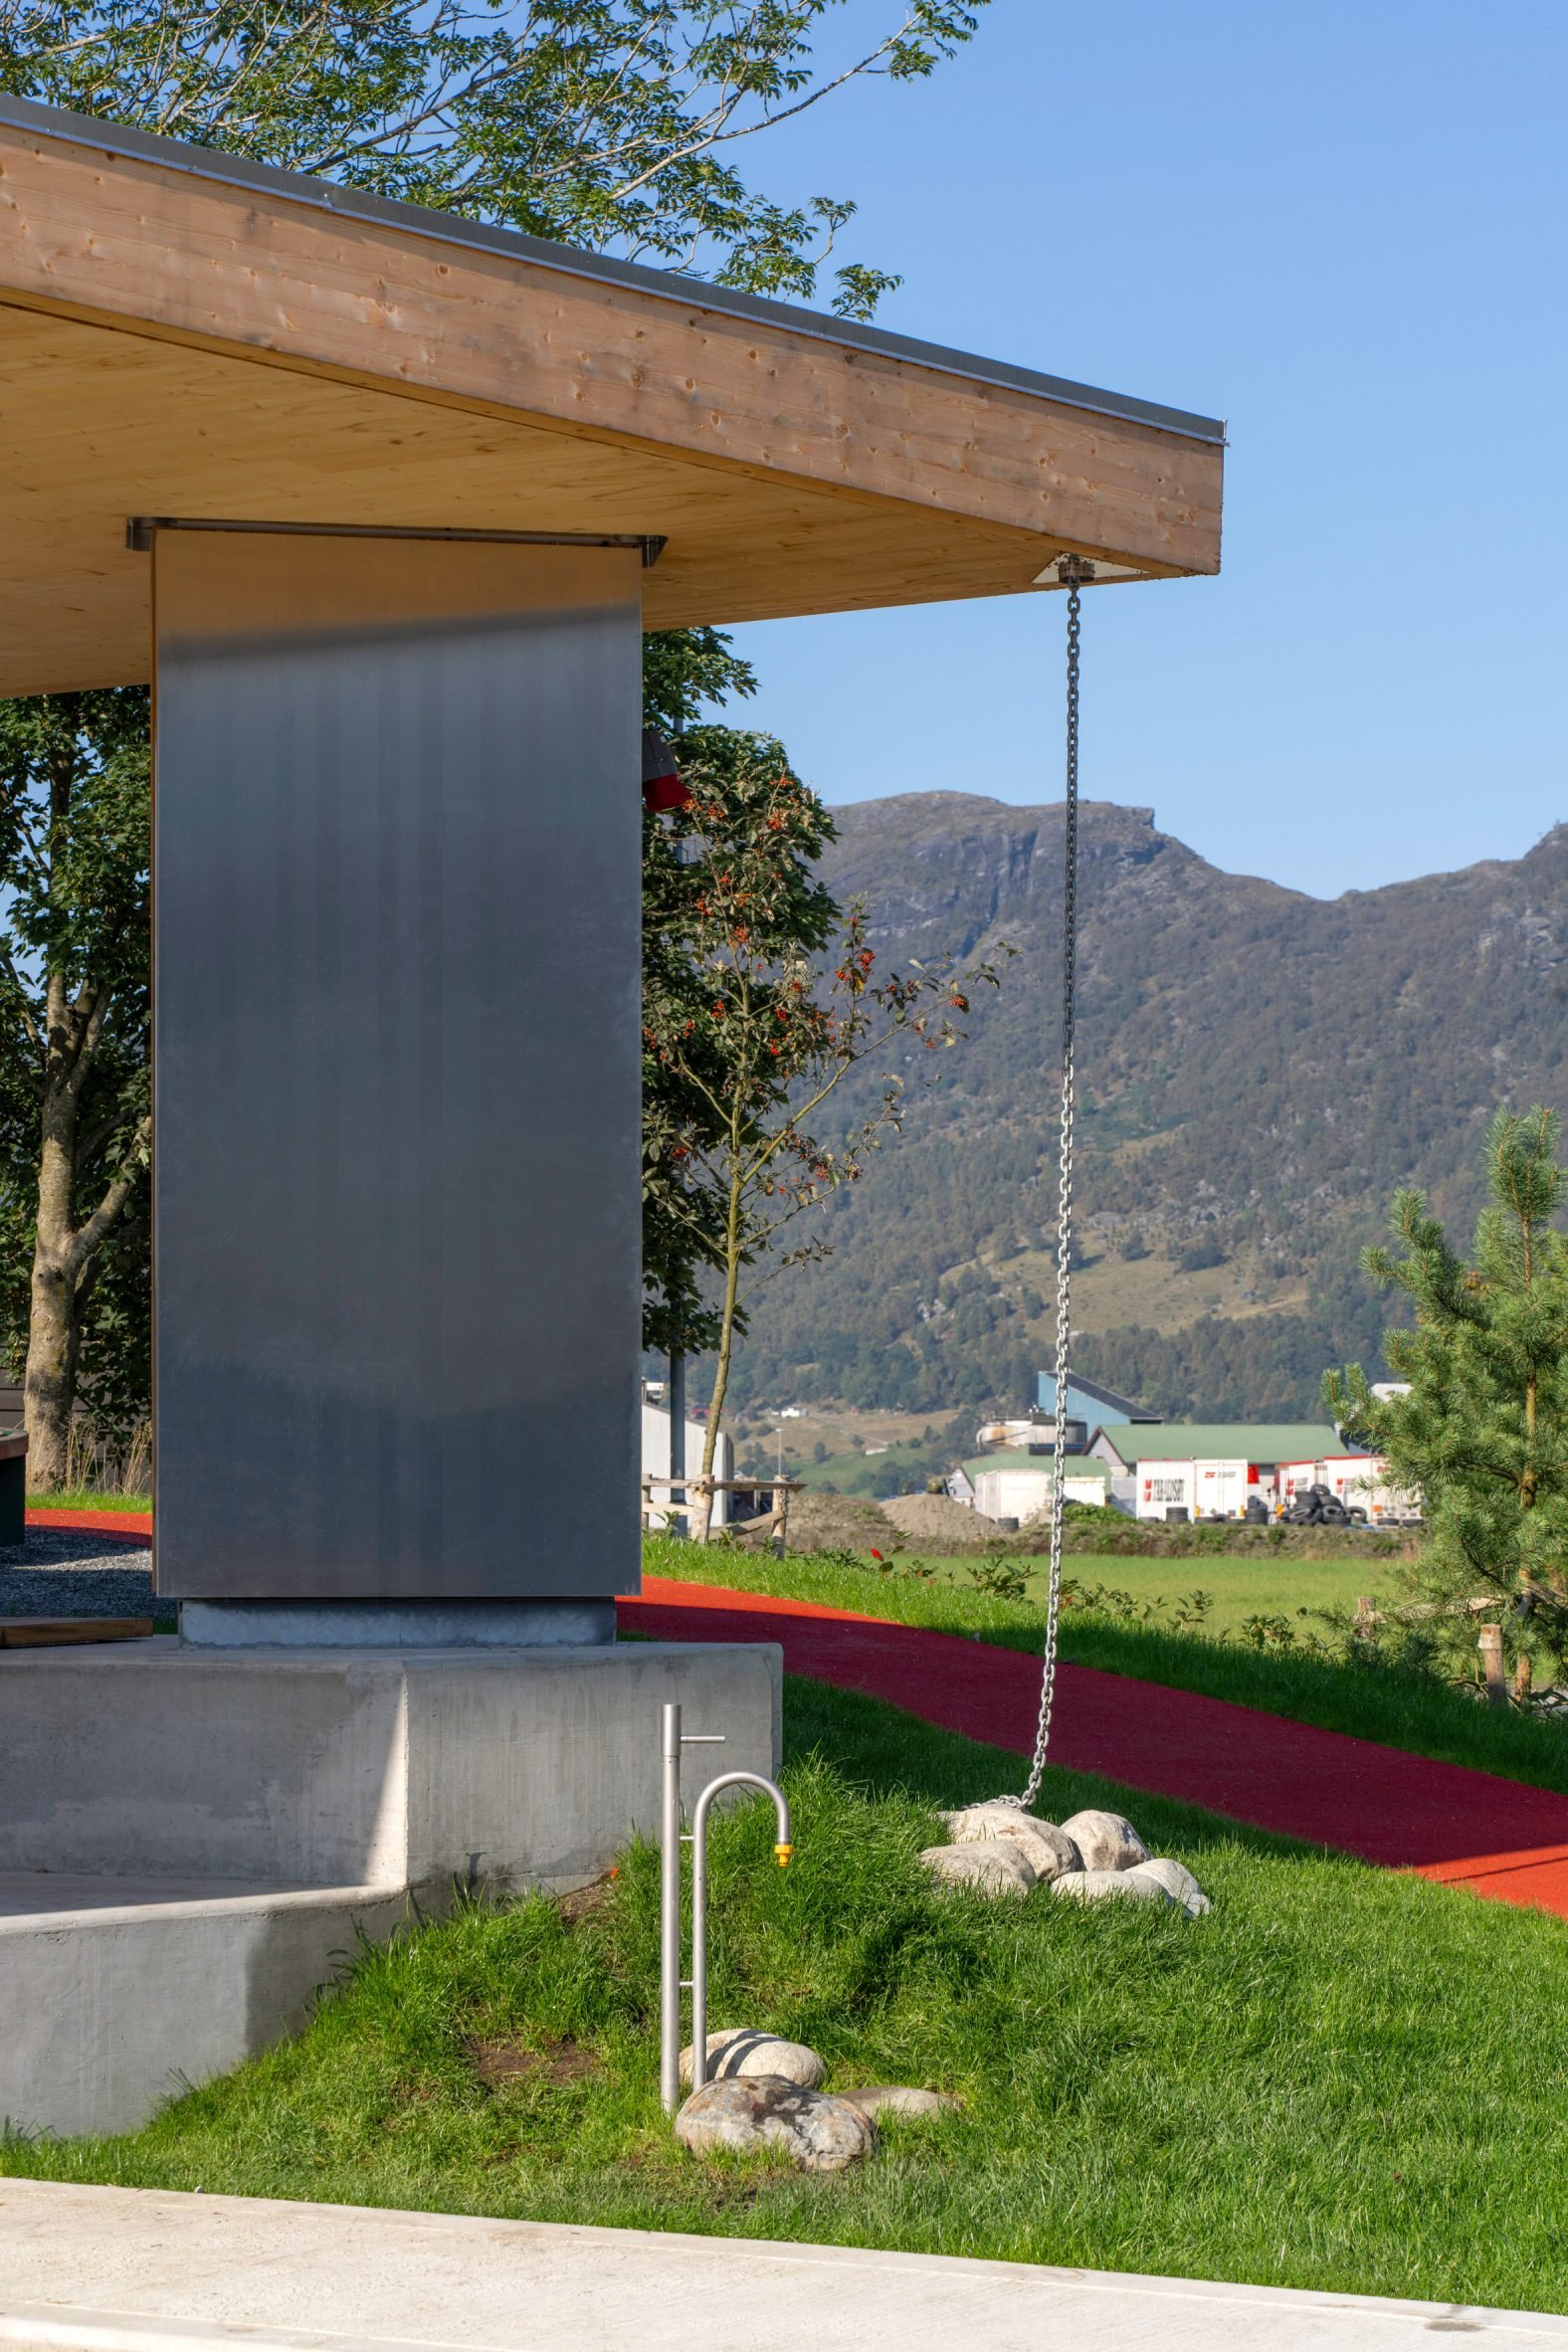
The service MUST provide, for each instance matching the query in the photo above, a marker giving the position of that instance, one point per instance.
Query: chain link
(1073, 572)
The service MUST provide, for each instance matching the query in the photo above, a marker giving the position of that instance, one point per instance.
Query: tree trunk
(701, 1520)
(66, 1256)
(54, 1338)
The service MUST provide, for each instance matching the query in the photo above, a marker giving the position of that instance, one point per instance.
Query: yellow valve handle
(781, 1855)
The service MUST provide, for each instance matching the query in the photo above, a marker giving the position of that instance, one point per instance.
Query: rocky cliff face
(1258, 1071)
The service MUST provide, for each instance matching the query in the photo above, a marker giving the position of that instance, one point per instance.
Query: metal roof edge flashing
(356, 204)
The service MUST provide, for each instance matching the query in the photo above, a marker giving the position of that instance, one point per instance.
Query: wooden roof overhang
(186, 335)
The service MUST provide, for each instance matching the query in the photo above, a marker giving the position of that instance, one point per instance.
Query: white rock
(742, 2051)
(997, 1865)
(1093, 1886)
(817, 2133)
(1178, 1883)
(1106, 1841)
(1050, 1850)
(900, 2099)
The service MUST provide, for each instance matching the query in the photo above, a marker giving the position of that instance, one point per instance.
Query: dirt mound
(933, 1519)
(832, 1523)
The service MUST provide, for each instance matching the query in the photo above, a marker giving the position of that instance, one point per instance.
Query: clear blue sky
(1339, 227)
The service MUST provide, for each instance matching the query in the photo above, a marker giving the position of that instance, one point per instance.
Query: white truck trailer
(1205, 1489)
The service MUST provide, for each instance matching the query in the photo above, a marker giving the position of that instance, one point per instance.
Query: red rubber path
(96, 1523)
(1499, 1837)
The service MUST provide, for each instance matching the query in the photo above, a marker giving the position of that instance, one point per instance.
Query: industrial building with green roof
(1263, 1444)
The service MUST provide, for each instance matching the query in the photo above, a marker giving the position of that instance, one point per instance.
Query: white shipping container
(1221, 1488)
(1164, 1487)
(1013, 1493)
(1024, 1494)
(1212, 1490)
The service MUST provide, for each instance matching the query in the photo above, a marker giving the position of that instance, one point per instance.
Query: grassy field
(1403, 1710)
(1341, 2079)
(1256, 1584)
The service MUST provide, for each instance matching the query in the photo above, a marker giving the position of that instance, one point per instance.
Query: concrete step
(118, 1991)
(85, 2269)
(188, 1838)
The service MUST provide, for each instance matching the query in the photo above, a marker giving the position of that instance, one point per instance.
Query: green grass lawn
(1403, 1710)
(1342, 2079)
(89, 1498)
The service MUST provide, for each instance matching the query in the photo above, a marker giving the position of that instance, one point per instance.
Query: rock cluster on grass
(1001, 1850)
(740, 2052)
(899, 2098)
(997, 1865)
(765, 2095)
(818, 2133)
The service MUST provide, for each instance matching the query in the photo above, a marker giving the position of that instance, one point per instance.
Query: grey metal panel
(397, 1067)
(358, 204)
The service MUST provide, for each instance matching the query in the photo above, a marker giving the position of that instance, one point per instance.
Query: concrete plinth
(395, 1625)
(187, 1837)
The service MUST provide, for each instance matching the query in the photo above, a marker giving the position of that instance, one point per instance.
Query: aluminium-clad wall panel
(396, 1179)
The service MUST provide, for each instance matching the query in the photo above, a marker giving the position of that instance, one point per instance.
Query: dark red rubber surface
(1499, 1836)
(97, 1523)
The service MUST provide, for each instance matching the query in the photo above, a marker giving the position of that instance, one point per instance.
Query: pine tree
(1483, 1429)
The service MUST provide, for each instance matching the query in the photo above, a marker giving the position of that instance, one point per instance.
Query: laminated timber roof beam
(184, 333)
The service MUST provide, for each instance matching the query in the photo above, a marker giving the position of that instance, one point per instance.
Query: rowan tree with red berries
(771, 997)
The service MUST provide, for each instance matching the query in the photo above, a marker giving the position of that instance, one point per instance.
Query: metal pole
(671, 1985)
(782, 1850)
(670, 1916)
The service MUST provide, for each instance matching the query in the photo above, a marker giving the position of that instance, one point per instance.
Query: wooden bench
(46, 1632)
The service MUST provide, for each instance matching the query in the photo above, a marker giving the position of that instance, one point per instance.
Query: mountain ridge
(1259, 1069)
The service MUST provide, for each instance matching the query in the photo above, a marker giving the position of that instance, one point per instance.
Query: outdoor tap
(782, 1850)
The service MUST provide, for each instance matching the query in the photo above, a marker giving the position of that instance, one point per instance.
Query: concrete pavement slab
(89, 2270)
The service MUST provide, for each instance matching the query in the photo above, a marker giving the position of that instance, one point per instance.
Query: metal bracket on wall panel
(140, 527)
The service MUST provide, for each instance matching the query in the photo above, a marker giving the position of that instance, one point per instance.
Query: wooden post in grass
(1524, 1681)
(1490, 1644)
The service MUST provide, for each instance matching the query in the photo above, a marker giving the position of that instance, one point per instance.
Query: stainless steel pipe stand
(672, 1838)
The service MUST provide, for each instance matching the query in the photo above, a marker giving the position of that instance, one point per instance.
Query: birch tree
(75, 1015)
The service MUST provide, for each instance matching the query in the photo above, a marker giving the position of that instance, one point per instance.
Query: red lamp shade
(662, 785)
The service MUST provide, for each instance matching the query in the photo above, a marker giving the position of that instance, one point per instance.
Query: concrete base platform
(87, 2270)
(187, 1838)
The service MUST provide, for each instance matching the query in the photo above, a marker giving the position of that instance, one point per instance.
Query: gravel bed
(64, 1572)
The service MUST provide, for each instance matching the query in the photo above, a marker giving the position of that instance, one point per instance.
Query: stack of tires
(1320, 1507)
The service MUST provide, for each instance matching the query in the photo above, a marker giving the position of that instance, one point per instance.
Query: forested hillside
(1258, 1071)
